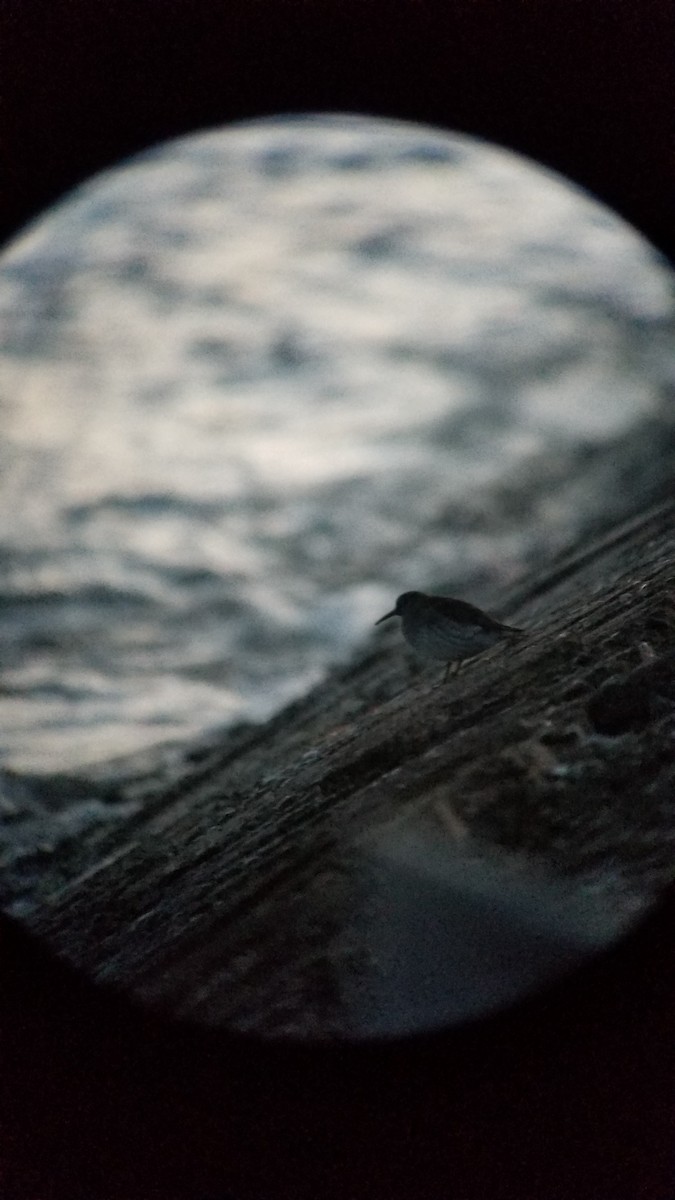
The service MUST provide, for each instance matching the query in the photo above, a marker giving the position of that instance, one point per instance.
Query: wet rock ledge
(224, 882)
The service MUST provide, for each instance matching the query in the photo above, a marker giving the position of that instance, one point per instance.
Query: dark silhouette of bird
(441, 627)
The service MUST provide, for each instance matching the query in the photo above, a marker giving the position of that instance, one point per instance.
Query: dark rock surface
(229, 885)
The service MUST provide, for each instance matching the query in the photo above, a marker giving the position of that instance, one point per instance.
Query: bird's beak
(386, 616)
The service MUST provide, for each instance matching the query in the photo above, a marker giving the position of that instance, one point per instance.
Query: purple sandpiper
(451, 630)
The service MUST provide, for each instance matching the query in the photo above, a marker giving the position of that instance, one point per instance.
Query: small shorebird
(440, 627)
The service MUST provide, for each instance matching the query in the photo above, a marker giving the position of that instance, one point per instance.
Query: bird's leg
(451, 668)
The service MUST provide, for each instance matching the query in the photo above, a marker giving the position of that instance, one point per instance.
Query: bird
(443, 628)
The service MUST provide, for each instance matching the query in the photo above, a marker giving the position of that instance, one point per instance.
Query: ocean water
(258, 381)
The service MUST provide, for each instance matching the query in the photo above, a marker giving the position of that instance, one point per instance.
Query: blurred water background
(259, 381)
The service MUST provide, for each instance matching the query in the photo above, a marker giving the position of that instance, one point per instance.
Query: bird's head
(404, 604)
